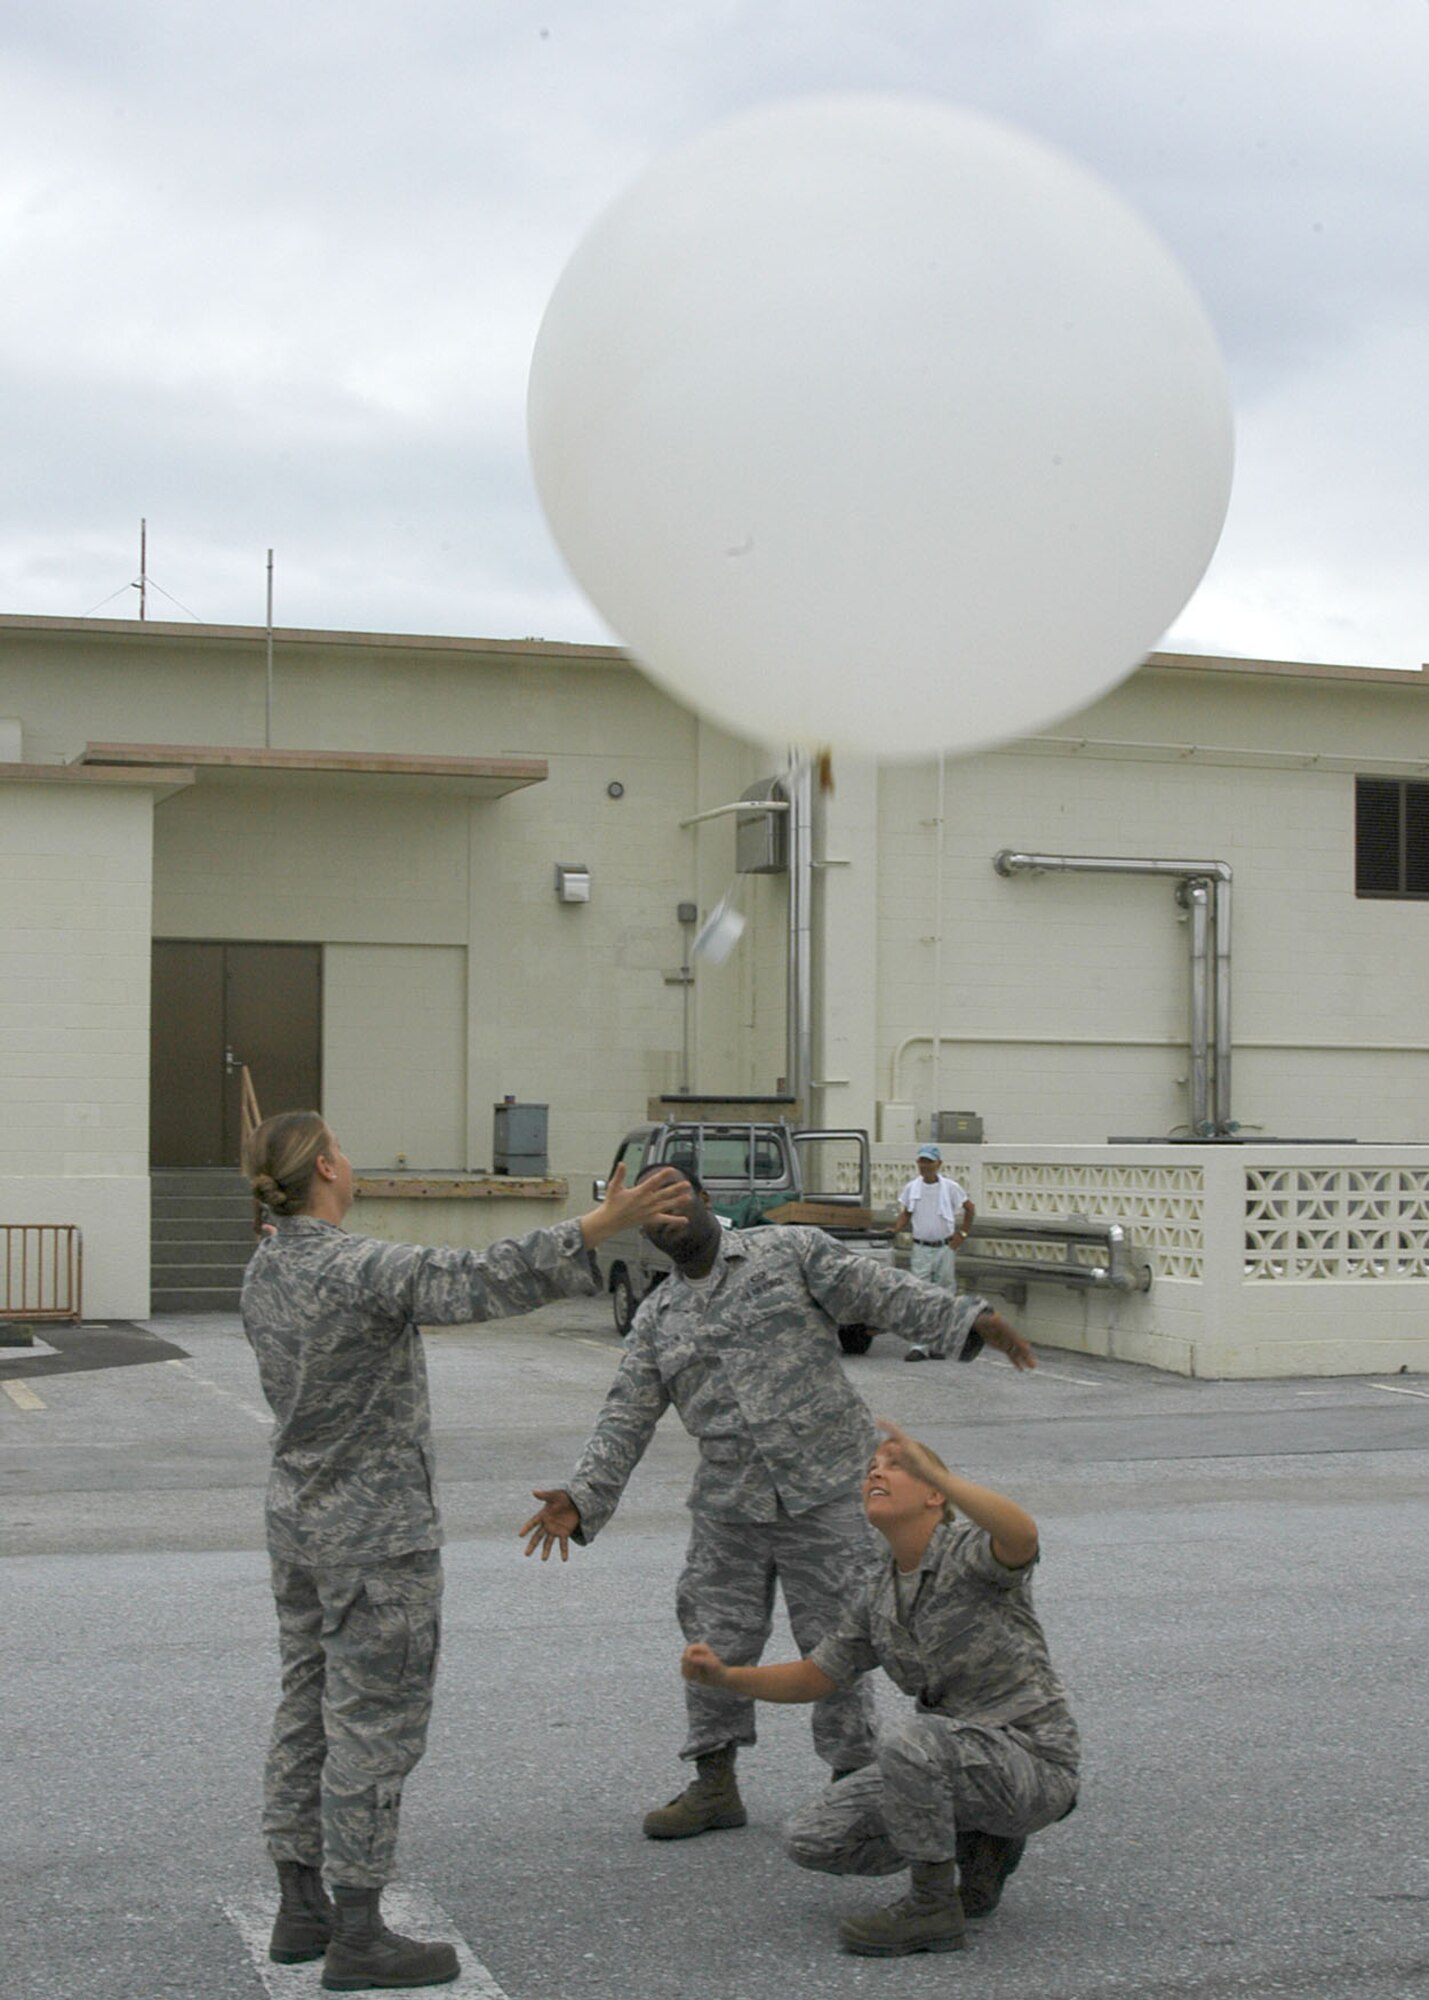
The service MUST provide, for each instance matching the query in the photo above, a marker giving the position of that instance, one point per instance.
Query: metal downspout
(1221, 910)
(1217, 874)
(799, 1031)
(1195, 897)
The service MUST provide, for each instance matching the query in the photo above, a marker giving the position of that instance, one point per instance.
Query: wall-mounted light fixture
(573, 881)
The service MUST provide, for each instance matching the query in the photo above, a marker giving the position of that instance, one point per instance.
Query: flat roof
(302, 636)
(537, 649)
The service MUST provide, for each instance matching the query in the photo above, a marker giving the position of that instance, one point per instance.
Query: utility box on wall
(519, 1141)
(951, 1126)
(761, 838)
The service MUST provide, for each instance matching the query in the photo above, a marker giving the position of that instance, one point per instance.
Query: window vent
(1391, 837)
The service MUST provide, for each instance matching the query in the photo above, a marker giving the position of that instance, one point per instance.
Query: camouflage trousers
(935, 1264)
(359, 1662)
(932, 1776)
(725, 1596)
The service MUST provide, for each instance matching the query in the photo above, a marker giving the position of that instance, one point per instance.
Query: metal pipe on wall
(1217, 876)
(1195, 897)
(799, 784)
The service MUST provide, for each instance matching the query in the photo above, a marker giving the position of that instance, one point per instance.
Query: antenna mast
(143, 569)
(268, 692)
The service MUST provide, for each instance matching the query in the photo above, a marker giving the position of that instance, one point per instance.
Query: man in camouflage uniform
(354, 1535)
(989, 1753)
(742, 1337)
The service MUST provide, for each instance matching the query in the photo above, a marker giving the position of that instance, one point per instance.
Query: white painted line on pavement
(1055, 1375)
(1393, 1389)
(22, 1395)
(405, 1910)
(264, 1417)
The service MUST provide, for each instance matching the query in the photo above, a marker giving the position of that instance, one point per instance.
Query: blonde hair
(280, 1157)
(950, 1512)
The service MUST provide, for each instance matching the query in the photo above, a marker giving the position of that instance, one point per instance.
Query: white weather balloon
(870, 422)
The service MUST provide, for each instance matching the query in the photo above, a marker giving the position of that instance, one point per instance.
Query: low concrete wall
(1267, 1260)
(468, 1212)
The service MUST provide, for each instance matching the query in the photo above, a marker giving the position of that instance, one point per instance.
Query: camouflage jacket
(333, 1320)
(750, 1358)
(972, 1647)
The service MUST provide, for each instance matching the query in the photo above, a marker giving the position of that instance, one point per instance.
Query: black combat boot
(985, 1860)
(364, 1953)
(928, 1918)
(305, 1915)
(710, 1800)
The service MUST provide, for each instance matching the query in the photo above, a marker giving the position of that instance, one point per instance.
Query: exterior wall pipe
(1224, 1125)
(799, 1018)
(1195, 897)
(1218, 874)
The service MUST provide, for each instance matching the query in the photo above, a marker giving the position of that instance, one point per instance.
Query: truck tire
(856, 1339)
(623, 1301)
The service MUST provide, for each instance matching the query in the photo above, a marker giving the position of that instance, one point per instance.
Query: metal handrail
(1123, 1271)
(249, 1119)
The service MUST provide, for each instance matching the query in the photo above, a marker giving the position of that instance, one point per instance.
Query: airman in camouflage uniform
(991, 1743)
(989, 1753)
(353, 1524)
(354, 1531)
(747, 1351)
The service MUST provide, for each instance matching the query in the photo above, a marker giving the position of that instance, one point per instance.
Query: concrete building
(410, 878)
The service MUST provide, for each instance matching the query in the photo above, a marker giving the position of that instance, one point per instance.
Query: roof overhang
(159, 778)
(367, 771)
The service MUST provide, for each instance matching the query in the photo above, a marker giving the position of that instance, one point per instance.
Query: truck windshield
(739, 1155)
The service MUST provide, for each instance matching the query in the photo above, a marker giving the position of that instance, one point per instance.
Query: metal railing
(1094, 1256)
(43, 1271)
(249, 1119)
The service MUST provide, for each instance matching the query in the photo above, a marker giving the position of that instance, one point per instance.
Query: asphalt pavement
(1233, 1585)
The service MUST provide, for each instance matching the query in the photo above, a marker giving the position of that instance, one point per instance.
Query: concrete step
(204, 1180)
(192, 1299)
(210, 1256)
(215, 1228)
(229, 1276)
(202, 1201)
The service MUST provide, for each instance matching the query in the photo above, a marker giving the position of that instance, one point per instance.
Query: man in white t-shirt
(940, 1214)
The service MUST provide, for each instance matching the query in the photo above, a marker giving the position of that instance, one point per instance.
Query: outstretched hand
(660, 1197)
(1001, 1334)
(557, 1521)
(703, 1664)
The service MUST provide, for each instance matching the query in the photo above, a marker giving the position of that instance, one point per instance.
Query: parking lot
(1232, 1583)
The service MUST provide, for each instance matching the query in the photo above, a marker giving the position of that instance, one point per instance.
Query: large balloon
(869, 422)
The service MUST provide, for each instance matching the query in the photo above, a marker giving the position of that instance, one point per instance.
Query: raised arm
(1012, 1530)
(854, 1289)
(632, 1207)
(793, 1680)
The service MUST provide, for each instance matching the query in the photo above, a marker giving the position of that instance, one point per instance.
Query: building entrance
(215, 1008)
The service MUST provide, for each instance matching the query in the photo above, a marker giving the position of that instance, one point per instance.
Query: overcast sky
(272, 274)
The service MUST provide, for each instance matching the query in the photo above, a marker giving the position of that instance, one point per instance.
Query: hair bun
(271, 1193)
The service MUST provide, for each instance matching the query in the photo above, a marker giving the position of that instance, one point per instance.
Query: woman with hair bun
(354, 1532)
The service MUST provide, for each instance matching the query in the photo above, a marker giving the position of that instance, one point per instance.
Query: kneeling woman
(989, 1753)
(353, 1529)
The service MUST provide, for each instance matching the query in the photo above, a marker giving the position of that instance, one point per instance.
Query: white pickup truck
(754, 1173)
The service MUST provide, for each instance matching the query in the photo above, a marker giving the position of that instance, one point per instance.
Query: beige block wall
(1065, 998)
(568, 1005)
(74, 1008)
(394, 1052)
